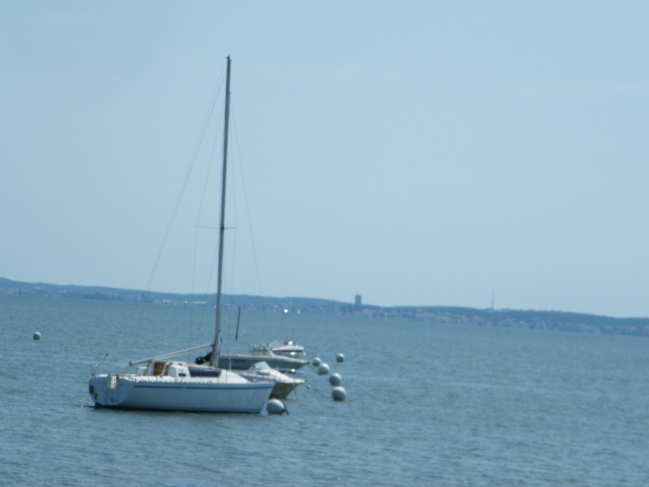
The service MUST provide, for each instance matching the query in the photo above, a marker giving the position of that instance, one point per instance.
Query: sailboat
(162, 384)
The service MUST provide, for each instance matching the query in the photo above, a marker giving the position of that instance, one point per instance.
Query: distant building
(357, 301)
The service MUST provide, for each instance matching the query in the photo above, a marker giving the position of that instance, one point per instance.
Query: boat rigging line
(199, 142)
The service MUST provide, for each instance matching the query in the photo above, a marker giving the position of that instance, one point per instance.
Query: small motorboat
(261, 371)
(287, 348)
(257, 353)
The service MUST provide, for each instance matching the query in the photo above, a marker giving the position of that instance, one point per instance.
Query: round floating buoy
(340, 357)
(37, 336)
(338, 393)
(323, 369)
(317, 361)
(334, 379)
(275, 406)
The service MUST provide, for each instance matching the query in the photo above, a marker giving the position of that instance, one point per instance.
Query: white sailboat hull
(178, 394)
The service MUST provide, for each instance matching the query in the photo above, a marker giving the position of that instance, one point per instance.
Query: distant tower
(493, 300)
(357, 301)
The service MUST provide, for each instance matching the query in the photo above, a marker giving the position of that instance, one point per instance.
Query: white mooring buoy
(275, 406)
(323, 369)
(334, 379)
(338, 393)
(316, 361)
(37, 336)
(340, 357)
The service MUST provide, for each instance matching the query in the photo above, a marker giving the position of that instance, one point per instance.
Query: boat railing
(94, 369)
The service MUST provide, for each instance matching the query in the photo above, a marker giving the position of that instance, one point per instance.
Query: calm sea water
(426, 404)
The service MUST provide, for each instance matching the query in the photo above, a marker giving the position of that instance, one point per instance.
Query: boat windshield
(204, 372)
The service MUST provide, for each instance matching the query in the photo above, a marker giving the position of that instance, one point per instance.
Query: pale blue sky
(417, 153)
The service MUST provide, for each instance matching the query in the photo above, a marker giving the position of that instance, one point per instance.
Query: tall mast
(215, 348)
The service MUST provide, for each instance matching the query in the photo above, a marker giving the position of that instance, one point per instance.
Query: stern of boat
(108, 390)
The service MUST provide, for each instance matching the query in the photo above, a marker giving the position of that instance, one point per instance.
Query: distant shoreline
(506, 318)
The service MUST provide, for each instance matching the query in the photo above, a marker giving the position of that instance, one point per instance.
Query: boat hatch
(159, 368)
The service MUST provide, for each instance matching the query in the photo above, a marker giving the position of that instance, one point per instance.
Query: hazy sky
(416, 153)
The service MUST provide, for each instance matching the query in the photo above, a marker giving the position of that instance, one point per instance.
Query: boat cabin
(177, 370)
